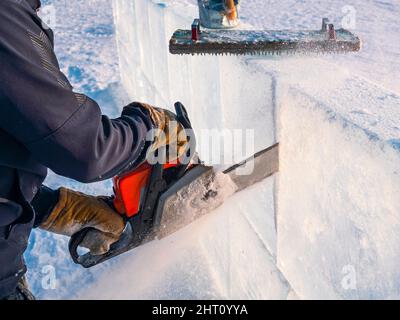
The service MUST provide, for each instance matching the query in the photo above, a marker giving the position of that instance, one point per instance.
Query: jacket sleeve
(64, 130)
(44, 203)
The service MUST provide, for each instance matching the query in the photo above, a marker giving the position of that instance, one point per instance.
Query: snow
(326, 226)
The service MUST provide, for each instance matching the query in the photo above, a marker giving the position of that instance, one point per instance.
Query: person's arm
(63, 130)
(66, 132)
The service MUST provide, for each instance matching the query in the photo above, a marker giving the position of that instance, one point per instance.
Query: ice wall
(330, 219)
(338, 210)
(214, 90)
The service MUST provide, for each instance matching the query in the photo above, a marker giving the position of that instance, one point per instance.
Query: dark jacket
(45, 124)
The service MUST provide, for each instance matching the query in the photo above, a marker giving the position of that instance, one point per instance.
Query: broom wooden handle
(231, 9)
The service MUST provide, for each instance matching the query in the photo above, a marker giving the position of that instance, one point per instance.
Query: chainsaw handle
(183, 118)
(182, 115)
(75, 242)
(89, 260)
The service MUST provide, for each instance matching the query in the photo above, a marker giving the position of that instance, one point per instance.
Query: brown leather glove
(76, 211)
(170, 132)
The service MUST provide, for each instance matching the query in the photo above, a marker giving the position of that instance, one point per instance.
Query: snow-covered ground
(208, 259)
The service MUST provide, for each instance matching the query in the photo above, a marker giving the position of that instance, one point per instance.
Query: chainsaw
(157, 200)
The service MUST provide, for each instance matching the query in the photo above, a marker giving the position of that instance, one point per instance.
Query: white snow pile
(326, 226)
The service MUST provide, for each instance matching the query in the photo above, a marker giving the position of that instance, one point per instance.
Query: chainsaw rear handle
(129, 239)
(182, 115)
(74, 243)
(89, 260)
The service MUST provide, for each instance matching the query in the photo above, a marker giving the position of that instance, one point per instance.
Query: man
(45, 124)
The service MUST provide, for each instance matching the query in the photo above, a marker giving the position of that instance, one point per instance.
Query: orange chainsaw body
(130, 189)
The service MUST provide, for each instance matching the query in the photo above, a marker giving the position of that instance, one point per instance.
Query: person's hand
(76, 211)
(169, 133)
